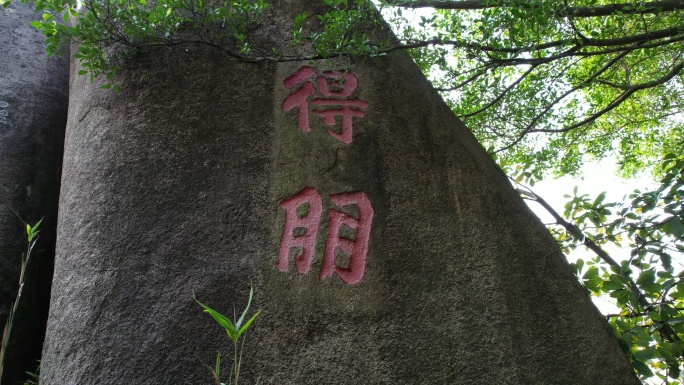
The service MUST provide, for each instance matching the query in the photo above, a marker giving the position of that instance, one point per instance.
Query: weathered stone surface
(33, 109)
(181, 183)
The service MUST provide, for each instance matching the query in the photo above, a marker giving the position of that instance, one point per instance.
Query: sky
(596, 177)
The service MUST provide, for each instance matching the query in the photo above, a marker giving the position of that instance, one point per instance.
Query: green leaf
(600, 198)
(645, 354)
(664, 274)
(655, 316)
(654, 288)
(591, 273)
(246, 325)
(621, 295)
(675, 370)
(222, 320)
(32, 232)
(592, 286)
(249, 303)
(35, 227)
(647, 277)
(676, 227)
(610, 286)
(667, 351)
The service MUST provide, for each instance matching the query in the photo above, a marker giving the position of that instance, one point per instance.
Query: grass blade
(249, 303)
(221, 319)
(244, 328)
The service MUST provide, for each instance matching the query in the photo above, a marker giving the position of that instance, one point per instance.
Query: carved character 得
(333, 85)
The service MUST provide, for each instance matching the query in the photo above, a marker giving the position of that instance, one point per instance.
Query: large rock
(384, 245)
(33, 109)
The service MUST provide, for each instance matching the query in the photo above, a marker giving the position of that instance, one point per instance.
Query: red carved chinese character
(300, 98)
(346, 112)
(356, 249)
(298, 77)
(309, 223)
(346, 88)
(332, 84)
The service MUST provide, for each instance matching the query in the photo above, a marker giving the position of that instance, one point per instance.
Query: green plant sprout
(235, 330)
(34, 377)
(32, 237)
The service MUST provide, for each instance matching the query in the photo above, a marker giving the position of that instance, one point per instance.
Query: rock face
(383, 244)
(33, 109)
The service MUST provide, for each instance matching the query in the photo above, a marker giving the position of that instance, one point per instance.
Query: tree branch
(639, 314)
(471, 79)
(565, 11)
(666, 331)
(593, 117)
(613, 85)
(576, 51)
(575, 42)
(502, 94)
(588, 242)
(620, 98)
(596, 74)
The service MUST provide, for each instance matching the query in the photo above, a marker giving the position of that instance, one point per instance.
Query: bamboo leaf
(249, 322)
(222, 320)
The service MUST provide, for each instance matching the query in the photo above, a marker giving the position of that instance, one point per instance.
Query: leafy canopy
(551, 84)
(648, 284)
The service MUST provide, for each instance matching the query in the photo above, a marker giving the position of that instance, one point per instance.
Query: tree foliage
(646, 279)
(550, 84)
